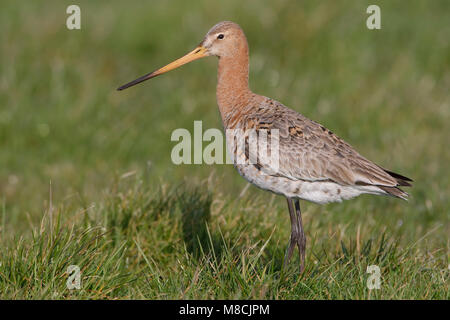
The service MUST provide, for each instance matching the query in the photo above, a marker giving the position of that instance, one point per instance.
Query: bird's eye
(220, 36)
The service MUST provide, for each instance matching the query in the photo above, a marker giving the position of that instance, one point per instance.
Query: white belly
(320, 192)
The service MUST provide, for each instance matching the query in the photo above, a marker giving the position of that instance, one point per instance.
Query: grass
(140, 227)
(160, 244)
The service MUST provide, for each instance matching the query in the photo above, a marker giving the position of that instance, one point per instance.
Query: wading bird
(314, 164)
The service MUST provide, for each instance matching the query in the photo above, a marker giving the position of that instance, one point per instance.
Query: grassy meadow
(86, 176)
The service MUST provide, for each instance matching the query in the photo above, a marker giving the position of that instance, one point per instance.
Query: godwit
(314, 164)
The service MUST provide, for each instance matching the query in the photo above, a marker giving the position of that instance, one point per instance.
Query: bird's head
(225, 39)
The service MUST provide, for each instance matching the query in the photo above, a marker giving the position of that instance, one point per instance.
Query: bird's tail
(401, 180)
(395, 191)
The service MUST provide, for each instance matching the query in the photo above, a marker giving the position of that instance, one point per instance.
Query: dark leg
(297, 235)
(293, 239)
(301, 240)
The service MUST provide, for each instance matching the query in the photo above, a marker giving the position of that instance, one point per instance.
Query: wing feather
(310, 152)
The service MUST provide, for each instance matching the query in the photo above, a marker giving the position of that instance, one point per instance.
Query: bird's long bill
(195, 54)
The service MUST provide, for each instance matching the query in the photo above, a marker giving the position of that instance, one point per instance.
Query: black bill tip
(138, 80)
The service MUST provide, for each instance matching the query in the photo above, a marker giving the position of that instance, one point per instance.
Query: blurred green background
(385, 91)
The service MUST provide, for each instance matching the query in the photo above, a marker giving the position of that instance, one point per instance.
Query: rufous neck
(232, 86)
